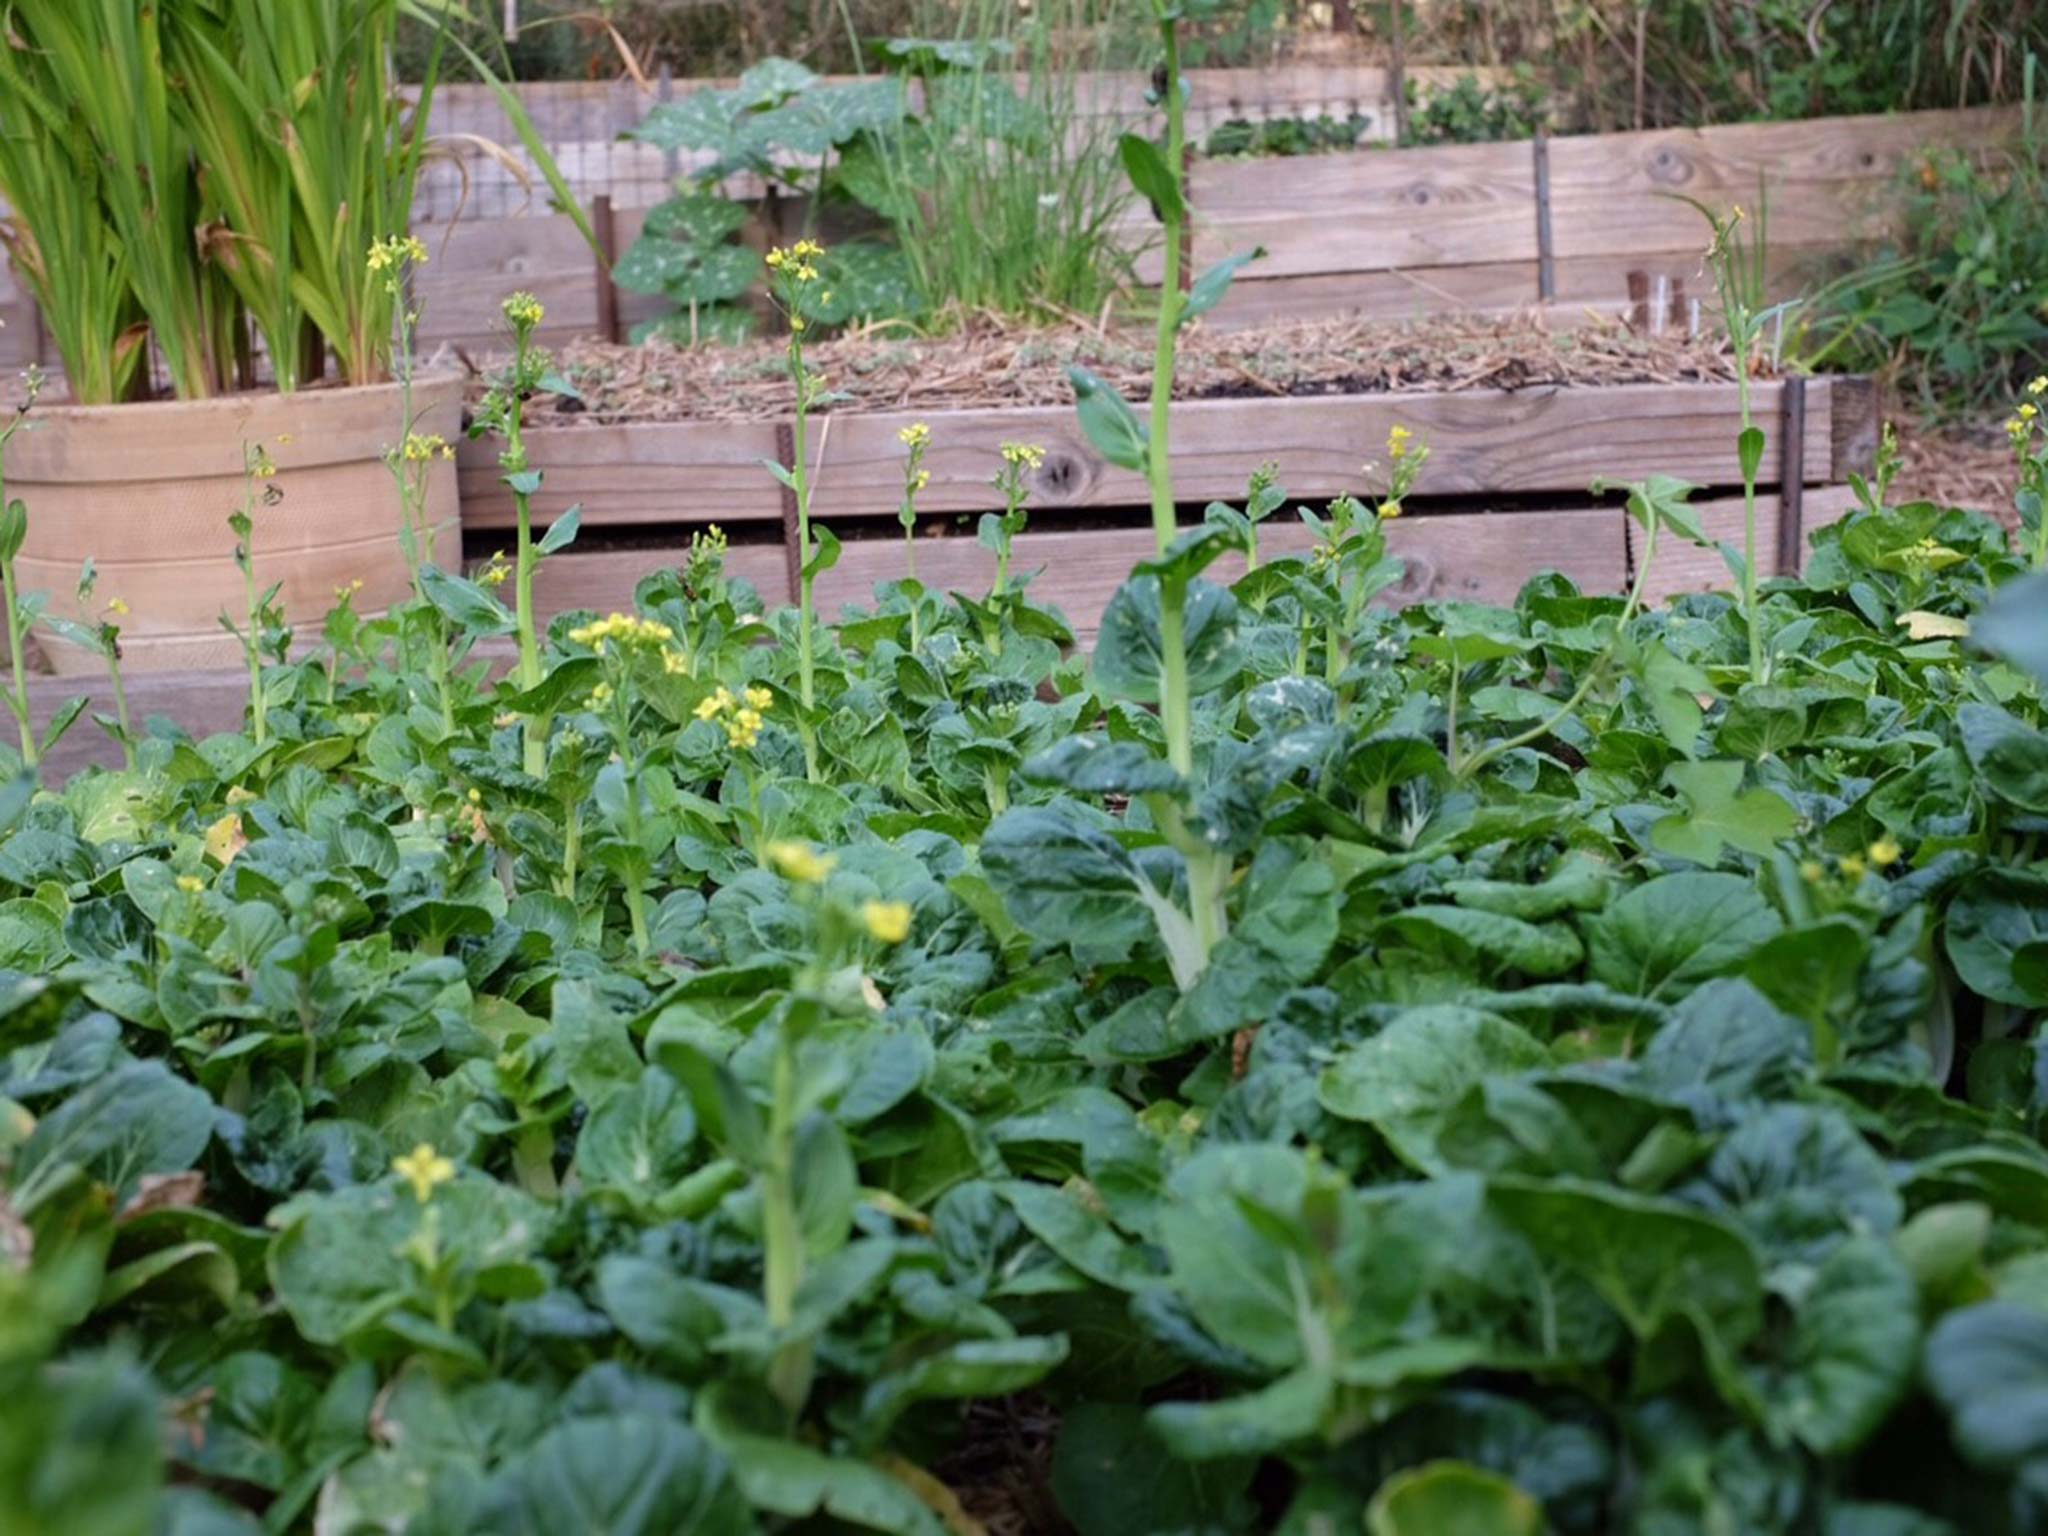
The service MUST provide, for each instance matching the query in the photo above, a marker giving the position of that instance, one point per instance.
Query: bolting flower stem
(782, 1238)
(514, 460)
(800, 474)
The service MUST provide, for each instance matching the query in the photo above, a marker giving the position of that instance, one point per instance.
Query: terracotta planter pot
(145, 491)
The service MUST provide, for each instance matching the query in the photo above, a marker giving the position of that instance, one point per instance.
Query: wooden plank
(1482, 442)
(649, 473)
(1827, 180)
(475, 263)
(1588, 288)
(1480, 557)
(204, 703)
(1366, 211)
(1822, 178)
(603, 580)
(1681, 567)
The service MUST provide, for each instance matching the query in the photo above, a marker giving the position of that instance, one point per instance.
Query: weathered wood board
(1478, 556)
(1482, 442)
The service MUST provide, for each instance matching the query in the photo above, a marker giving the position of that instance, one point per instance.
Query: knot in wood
(1670, 167)
(1420, 580)
(1062, 477)
(1421, 194)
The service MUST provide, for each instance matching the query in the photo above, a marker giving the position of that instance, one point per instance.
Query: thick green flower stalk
(793, 284)
(504, 410)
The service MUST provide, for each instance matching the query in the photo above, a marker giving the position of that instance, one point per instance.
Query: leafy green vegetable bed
(1570, 1111)
(1457, 1072)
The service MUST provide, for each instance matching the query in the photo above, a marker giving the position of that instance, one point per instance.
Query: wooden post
(1639, 301)
(1397, 28)
(607, 257)
(1546, 259)
(1792, 476)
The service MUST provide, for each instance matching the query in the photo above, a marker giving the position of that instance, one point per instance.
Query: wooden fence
(1582, 224)
(1568, 221)
(584, 126)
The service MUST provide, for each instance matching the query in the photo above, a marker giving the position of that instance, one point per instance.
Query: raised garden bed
(1521, 423)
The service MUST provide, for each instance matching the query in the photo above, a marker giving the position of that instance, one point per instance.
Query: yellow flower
(887, 921)
(760, 698)
(807, 248)
(776, 258)
(1812, 871)
(497, 573)
(524, 311)
(924, 478)
(1853, 865)
(422, 446)
(715, 703)
(798, 324)
(1397, 441)
(1024, 455)
(118, 607)
(1885, 852)
(1389, 509)
(2026, 410)
(476, 797)
(396, 251)
(2039, 386)
(743, 729)
(424, 1169)
(191, 885)
(916, 435)
(673, 664)
(799, 861)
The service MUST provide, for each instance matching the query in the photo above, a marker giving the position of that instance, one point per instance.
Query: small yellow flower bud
(425, 1170)
(886, 921)
(799, 861)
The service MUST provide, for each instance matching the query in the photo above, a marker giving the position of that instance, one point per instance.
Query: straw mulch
(993, 365)
(1965, 464)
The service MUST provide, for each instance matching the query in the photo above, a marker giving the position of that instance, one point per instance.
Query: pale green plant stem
(252, 647)
(1749, 598)
(782, 1238)
(636, 898)
(120, 703)
(522, 502)
(16, 633)
(1208, 872)
(1451, 716)
(800, 473)
(572, 844)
